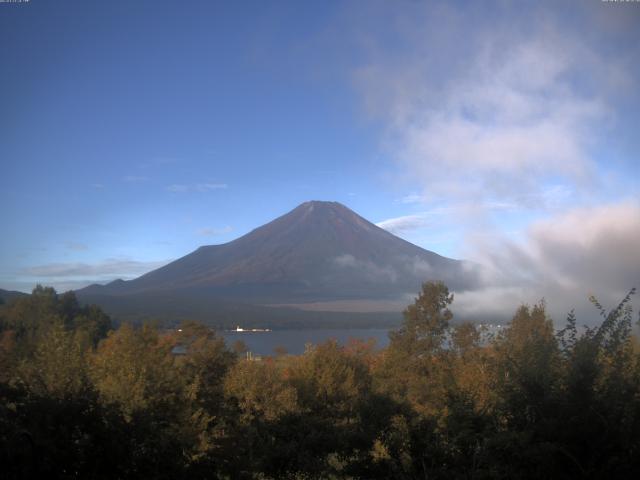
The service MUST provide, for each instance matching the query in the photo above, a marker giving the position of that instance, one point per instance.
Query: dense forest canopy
(80, 399)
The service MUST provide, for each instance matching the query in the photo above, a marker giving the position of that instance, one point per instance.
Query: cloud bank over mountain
(517, 127)
(563, 259)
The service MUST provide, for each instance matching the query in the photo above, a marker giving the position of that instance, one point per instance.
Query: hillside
(320, 253)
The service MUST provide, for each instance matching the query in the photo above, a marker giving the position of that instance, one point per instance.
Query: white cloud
(480, 108)
(367, 267)
(501, 114)
(412, 198)
(403, 224)
(564, 258)
(198, 187)
(73, 275)
(495, 133)
(406, 223)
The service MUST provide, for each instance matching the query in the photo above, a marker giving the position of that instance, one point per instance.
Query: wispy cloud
(111, 267)
(177, 188)
(197, 187)
(97, 186)
(412, 198)
(416, 221)
(158, 162)
(505, 129)
(497, 116)
(76, 246)
(212, 232)
(403, 224)
(27, 286)
(135, 178)
(366, 267)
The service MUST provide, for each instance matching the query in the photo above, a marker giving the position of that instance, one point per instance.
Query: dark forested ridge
(8, 295)
(79, 399)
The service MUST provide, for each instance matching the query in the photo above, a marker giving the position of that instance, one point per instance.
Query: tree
(31, 318)
(528, 364)
(334, 389)
(135, 375)
(413, 365)
(527, 382)
(265, 419)
(57, 368)
(203, 369)
(133, 368)
(601, 414)
(426, 321)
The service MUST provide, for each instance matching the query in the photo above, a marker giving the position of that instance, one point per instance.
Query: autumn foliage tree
(79, 399)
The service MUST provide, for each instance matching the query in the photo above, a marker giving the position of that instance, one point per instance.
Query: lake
(264, 343)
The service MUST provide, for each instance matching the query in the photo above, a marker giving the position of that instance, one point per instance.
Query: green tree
(53, 424)
(601, 414)
(426, 321)
(31, 318)
(527, 382)
(203, 369)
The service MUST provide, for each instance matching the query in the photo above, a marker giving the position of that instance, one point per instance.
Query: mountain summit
(318, 252)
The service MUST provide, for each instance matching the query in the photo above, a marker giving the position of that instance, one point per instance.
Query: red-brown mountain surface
(320, 253)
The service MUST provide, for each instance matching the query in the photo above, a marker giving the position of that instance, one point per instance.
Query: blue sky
(133, 132)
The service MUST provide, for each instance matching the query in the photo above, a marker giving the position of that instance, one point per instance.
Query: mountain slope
(7, 296)
(320, 251)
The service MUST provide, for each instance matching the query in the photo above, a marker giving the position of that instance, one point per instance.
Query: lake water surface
(294, 341)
